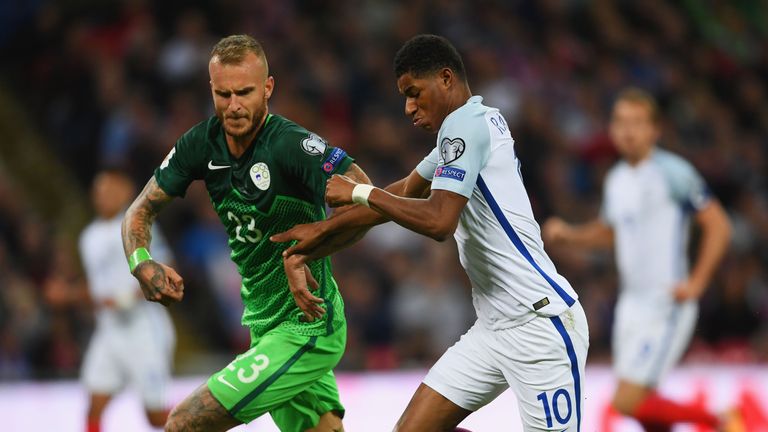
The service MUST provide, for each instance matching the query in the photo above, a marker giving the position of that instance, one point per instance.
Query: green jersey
(277, 183)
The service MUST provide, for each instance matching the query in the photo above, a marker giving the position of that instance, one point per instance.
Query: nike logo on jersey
(211, 166)
(226, 383)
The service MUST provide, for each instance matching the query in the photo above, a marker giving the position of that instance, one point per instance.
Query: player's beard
(254, 123)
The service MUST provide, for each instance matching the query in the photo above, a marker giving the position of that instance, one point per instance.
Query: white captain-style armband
(360, 194)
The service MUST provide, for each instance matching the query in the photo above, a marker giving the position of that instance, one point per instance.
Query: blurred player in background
(531, 333)
(648, 201)
(264, 174)
(134, 340)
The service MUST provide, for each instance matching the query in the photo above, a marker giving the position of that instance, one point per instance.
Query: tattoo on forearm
(357, 174)
(136, 228)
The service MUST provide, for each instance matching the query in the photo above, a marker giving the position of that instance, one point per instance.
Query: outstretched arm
(436, 216)
(159, 282)
(592, 235)
(346, 224)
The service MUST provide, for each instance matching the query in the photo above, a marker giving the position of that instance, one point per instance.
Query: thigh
(278, 367)
(466, 374)
(544, 362)
(305, 409)
(101, 372)
(430, 411)
(649, 340)
(200, 412)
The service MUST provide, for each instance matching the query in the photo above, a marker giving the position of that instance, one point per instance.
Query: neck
(239, 144)
(457, 99)
(634, 161)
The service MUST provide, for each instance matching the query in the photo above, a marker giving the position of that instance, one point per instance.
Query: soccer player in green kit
(264, 174)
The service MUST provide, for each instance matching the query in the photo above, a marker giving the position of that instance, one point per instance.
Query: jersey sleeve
(686, 185)
(181, 166)
(462, 152)
(426, 168)
(312, 160)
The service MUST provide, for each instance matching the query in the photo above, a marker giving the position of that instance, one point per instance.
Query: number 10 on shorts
(555, 409)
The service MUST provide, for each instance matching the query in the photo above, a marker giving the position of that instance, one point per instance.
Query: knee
(174, 422)
(329, 422)
(626, 404)
(157, 418)
(622, 406)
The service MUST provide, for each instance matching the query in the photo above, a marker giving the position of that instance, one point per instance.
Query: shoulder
(672, 164)
(290, 137)
(89, 235)
(470, 126)
(469, 116)
(678, 172)
(199, 139)
(283, 127)
(615, 172)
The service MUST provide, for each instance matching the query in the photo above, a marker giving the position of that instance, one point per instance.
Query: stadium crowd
(114, 83)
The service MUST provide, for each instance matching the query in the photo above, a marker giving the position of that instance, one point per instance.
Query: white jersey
(500, 247)
(106, 269)
(649, 207)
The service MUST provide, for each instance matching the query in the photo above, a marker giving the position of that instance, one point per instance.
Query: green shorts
(288, 375)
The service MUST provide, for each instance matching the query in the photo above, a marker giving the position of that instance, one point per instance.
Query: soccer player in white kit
(134, 340)
(531, 334)
(649, 199)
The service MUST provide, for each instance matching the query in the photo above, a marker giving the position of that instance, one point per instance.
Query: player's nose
(234, 104)
(410, 107)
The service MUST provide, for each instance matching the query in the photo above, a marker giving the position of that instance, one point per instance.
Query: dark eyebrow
(244, 90)
(239, 92)
(409, 90)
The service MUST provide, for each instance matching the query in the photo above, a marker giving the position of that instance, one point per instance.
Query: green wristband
(137, 257)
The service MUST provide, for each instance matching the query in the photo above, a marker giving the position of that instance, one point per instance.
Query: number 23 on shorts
(247, 373)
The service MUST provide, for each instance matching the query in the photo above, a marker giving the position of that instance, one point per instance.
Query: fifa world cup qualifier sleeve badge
(451, 149)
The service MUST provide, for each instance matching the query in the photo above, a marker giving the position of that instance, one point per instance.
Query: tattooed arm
(159, 282)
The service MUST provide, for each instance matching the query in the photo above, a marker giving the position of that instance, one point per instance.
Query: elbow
(724, 226)
(727, 230)
(441, 232)
(439, 236)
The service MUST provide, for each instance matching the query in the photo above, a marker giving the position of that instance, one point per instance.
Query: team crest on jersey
(313, 145)
(260, 175)
(451, 149)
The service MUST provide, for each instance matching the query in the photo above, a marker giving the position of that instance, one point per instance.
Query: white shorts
(649, 338)
(542, 361)
(133, 348)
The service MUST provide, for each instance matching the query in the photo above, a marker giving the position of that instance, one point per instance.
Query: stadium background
(86, 84)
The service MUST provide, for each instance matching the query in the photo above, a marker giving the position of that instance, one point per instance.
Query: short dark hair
(425, 54)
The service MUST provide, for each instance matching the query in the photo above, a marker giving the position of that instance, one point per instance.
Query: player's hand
(338, 190)
(159, 283)
(300, 280)
(554, 230)
(308, 237)
(687, 290)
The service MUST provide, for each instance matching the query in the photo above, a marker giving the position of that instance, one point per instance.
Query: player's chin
(237, 132)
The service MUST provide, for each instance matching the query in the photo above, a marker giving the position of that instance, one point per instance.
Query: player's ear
(446, 77)
(269, 85)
